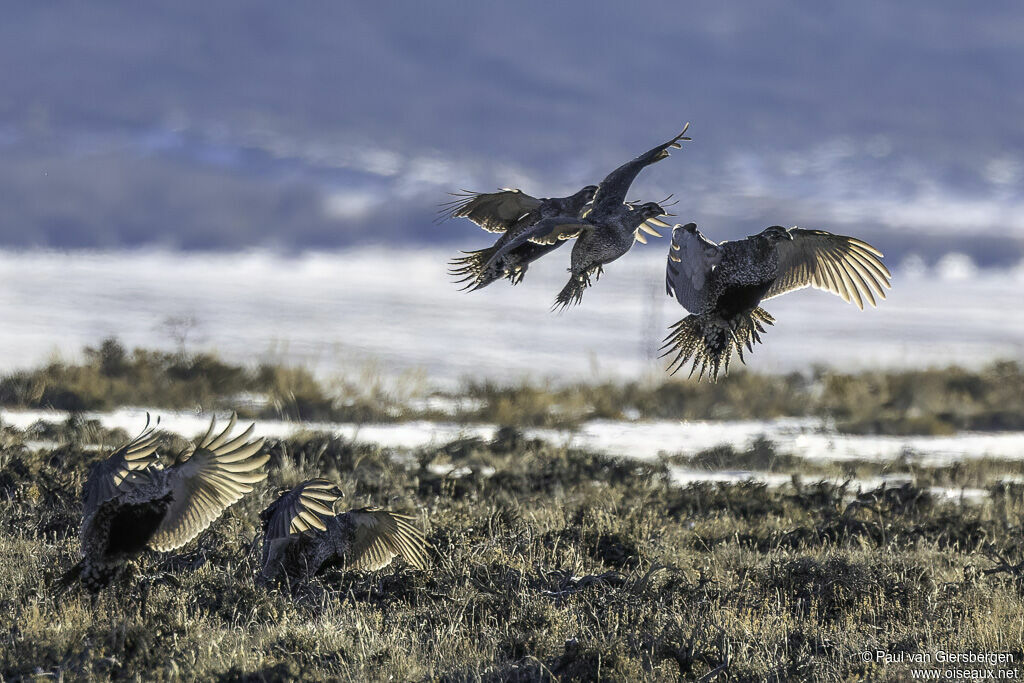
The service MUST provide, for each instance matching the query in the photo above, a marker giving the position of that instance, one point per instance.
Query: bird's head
(650, 210)
(776, 233)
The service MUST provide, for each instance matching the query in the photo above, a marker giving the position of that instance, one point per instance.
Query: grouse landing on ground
(131, 503)
(722, 286)
(303, 535)
(510, 212)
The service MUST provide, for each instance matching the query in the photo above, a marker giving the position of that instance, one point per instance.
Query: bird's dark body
(519, 259)
(738, 300)
(297, 560)
(119, 529)
(131, 526)
(613, 223)
(315, 550)
(741, 280)
(611, 237)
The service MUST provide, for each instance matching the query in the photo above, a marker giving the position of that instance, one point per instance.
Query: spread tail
(708, 340)
(472, 269)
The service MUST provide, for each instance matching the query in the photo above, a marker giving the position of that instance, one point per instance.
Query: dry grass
(550, 564)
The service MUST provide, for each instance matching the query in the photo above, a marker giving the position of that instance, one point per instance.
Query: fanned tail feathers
(472, 270)
(709, 341)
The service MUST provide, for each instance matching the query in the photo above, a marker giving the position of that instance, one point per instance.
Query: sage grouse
(303, 535)
(722, 286)
(131, 502)
(510, 212)
(606, 231)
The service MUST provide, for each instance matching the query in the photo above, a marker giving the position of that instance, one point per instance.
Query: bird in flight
(604, 232)
(131, 503)
(722, 286)
(508, 211)
(302, 535)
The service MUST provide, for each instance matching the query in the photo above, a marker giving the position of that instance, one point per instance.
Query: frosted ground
(809, 438)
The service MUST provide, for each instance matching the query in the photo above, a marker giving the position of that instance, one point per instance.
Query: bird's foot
(515, 276)
(572, 293)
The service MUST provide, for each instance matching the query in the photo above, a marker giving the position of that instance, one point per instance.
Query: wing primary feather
(238, 440)
(222, 437)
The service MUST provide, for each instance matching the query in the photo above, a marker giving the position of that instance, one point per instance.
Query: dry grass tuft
(550, 564)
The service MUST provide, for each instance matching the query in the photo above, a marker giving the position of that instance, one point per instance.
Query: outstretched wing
(548, 231)
(380, 535)
(612, 190)
(845, 266)
(492, 211)
(217, 473)
(691, 258)
(108, 476)
(301, 509)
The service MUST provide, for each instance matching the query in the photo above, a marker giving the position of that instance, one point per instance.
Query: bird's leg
(510, 268)
(145, 586)
(147, 579)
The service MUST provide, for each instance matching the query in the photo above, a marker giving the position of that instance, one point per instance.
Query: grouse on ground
(303, 535)
(131, 503)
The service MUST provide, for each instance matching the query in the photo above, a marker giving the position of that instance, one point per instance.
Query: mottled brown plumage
(131, 503)
(303, 535)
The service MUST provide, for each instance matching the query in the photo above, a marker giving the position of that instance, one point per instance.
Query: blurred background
(259, 179)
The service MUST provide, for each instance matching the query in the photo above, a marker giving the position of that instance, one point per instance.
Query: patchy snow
(803, 437)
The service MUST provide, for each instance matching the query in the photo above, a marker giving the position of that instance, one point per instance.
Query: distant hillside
(208, 125)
